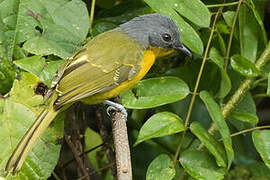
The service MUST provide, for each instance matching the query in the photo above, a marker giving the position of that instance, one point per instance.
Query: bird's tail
(28, 141)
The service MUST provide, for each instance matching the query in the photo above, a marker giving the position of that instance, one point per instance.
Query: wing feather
(104, 64)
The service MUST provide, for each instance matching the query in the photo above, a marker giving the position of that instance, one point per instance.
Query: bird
(107, 65)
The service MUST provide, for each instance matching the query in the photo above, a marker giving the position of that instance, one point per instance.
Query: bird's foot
(116, 107)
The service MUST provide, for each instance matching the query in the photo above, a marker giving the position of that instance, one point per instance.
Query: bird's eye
(166, 37)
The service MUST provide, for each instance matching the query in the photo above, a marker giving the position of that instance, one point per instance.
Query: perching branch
(122, 152)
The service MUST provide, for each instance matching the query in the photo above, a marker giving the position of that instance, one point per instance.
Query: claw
(116, 107)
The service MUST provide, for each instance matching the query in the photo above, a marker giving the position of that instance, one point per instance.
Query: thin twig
(250, 130)
(221, 5)
(77, 157)
(103, 168)
(122, 152)
(92, 15)
(55, 176)
(197, 84)
(231, 35)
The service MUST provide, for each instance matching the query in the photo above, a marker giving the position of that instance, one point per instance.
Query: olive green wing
(101, 65)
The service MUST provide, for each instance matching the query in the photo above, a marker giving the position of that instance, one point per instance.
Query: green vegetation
(205, 117)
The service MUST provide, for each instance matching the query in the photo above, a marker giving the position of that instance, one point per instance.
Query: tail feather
(28, 141)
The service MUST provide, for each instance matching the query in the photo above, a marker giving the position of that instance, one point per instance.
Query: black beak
(185, 50)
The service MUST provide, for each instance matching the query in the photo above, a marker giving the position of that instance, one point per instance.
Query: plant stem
(201, 70)
(92, 15)
(231, 35)
(221, 5)
(197, 84)
(243, 88)
(249, 130)
(261, 96)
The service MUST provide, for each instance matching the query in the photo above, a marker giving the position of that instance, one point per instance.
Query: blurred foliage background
(204, 117)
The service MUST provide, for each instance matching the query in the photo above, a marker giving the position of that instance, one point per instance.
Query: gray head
(154, 30)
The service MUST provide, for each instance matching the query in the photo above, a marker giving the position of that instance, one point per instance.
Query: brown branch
(76, 154)
(122, 152)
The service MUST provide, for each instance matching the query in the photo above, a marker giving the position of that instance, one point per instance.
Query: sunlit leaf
(245, 117)
(244, 66)
(189, 9)
(155, 92)
(161, 167)
(160, 124)
(17, 114)
(228, 17)
(33, 64)
(45, 71)
(261, 142)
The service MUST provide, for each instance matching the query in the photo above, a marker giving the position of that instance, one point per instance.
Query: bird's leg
(116, 107)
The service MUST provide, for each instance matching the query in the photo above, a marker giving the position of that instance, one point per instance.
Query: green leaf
(268, 84)
(8, 14)
(258, 19)
(210, 143)
(244, 66)
(188, 35)
(43, 47)
(49, 27)
(246, 105)
(228, 17)
(193, 10)
(23, 92)
(249, 33)
(216, 115)
(131, 10)
(161, 167)
(49, 71)
(221, 42)
(93, 139)
(155, 92)
(245, 117)
(160, 124)
(225, 83)
(261, 142)
(101, 27)
(200, 165)
(17, 114)
(7, 76)
(45, 71)
(33, 64)
(222, 28)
